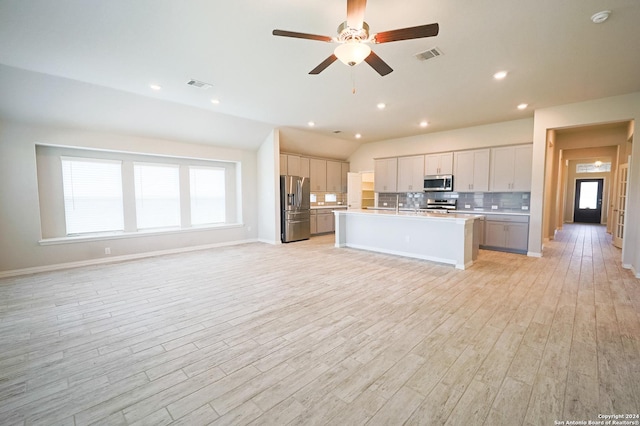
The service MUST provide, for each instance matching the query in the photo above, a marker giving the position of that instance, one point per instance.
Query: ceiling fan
(353, 36)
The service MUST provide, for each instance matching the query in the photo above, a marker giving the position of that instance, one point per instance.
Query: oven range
(443, 206)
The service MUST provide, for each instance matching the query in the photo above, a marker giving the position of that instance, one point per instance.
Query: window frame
(51, 192)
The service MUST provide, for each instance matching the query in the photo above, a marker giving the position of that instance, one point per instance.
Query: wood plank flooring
(308, 334)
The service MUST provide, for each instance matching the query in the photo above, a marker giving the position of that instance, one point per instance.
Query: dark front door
(588, 201)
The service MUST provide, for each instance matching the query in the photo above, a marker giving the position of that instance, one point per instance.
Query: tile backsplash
(328, 199)
(501, 201)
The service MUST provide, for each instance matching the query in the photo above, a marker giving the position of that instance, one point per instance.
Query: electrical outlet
(525, 207)
(494, 207)
(107, 250)
(467, 206)
(384, 204)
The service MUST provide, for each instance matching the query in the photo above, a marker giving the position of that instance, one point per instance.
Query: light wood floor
(306, 333)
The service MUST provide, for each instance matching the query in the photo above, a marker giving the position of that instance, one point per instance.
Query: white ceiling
(553, 52)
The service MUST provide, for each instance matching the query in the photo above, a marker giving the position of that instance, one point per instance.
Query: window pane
(157, 195)
(207, 190)
(588, 195)
(92, 195)
(597, 167)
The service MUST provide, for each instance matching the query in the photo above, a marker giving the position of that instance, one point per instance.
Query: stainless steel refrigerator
(295, 208)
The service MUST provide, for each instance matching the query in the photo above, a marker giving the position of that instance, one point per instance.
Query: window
(207, 193)
(595, 167)
(588, 195)
(92, 195)
(157, 188)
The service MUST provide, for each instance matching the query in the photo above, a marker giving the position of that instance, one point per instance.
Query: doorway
(588, 201)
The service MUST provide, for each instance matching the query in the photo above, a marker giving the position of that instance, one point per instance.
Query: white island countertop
(447, 238)
(419, 214)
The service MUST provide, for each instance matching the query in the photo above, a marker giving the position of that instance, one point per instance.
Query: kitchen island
(446, 238)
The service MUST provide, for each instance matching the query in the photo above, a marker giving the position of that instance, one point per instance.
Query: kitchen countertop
(515, 213)
(328, 207)
(465, 212)
(420, 214)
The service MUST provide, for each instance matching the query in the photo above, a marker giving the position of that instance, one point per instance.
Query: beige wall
(20, 230)
(600, 111)
(576, 156)
(505, 133)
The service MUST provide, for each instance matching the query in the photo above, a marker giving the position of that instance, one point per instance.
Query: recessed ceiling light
(155, 87)
(215, 101)
(523, 106)
(311, 124)
(500, 75)
(600, 17)
(424, 123)
(382, 105)
(358, 135)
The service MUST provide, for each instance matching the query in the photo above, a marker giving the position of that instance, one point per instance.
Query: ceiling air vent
(428, 54)
(199, 84)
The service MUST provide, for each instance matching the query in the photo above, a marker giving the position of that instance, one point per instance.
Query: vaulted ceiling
(107, 53)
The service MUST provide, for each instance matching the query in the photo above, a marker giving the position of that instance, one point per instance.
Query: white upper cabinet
(386, 175)
(471, 171)
(304, 167)
(334, 176)
(318, 175)
(411, 173)
(438, 164)
(293, 165)
(511, 168)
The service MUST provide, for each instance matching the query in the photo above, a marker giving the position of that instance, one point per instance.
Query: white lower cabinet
(313, 222)
(323, 220)
(505, 232)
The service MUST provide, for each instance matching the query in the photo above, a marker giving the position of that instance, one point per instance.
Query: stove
(441, 205)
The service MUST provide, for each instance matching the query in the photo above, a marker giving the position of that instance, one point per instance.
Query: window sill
(137, 234)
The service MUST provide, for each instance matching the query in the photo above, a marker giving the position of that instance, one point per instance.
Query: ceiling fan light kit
(353, 36)
(352, 52)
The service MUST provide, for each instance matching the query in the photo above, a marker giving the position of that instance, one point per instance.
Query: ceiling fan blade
(420, 31)
(293, 34)
(378, 64)
(324, 64)
(355, 13)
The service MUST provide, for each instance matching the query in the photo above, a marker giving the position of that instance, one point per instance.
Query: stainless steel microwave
(438, 183)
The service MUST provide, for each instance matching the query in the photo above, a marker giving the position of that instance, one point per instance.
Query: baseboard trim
(114, 259)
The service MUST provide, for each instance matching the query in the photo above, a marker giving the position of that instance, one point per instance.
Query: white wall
(607, 110)
(20, 213)
(268, 184)
(505, 133)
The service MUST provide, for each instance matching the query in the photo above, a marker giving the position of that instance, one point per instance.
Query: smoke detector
(600, 17)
